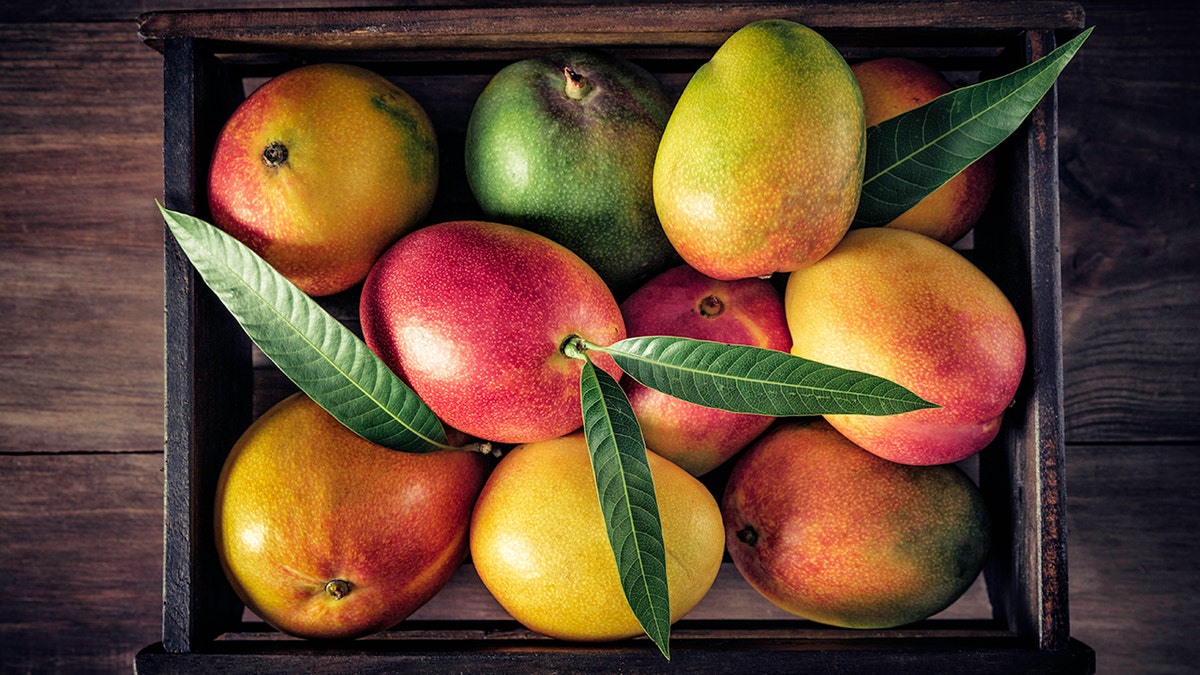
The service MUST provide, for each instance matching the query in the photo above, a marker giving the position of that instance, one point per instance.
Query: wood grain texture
(463, 29)
(1134, 511)
(80, 560)
(80, 265)
(1128, 153)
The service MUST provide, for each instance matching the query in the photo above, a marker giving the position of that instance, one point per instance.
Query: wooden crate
(216, 383)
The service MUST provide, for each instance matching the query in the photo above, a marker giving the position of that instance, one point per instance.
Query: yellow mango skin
(540, 547)
(761, 164)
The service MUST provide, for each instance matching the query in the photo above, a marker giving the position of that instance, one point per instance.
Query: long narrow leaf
(914, 153)
(746, 379)
(325, 360)
(627, 499)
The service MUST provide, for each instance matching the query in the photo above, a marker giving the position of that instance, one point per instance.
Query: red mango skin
(303, 501)
(760, 166)
(830, 532)
(361, 169)
(907, 308)
(473, 316)
(685, 303)
(891, 86)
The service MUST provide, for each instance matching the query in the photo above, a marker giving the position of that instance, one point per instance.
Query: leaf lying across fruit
(315, 351)
(627, 499)
(913, 154)
(746, 379)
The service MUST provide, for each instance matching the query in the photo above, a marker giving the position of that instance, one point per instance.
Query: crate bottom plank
(693, 654)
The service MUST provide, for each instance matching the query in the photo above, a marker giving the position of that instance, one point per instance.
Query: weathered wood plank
(23, 11)
(466, 29)
(81, 262)
(1133, 513)
(80, 560)
(1128, 139)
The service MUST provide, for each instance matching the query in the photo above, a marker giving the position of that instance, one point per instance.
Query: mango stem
(577, 85)
(338, 589)
(275, 154)
(575, 347)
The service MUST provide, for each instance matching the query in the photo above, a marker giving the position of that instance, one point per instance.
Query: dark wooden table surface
(81, 353)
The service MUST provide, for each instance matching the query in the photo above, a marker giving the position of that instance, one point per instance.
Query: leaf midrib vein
(799, 388)
(626, 502)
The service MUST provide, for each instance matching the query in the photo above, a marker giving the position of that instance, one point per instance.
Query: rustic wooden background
(81, 354)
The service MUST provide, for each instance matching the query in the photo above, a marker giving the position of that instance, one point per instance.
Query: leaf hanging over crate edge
(320, 355)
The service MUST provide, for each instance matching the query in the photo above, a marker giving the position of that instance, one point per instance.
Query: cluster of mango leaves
(908, 157)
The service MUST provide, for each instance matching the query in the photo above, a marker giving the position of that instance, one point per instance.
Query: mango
(685, 303)
(908, 308)
(325, 535)
(761, 163)
(474, 315)
(540, 546)
(891, 86)
(830, 532)
(321, 169)
(564, 145)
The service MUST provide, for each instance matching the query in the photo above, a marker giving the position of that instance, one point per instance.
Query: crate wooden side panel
(1024, 469)
(208, 375)
(651, 24)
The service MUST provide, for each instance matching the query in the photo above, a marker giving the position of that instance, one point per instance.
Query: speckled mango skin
(891, 86)
(678, 302)
(539, 544)
(361, 169)
(302, 501)
(849, 539)
(761, 164)
(907, 308)
(575, 170)
(473, 315)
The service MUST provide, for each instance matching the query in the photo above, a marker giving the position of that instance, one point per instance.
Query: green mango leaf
(627, 499)
(745, 379)
(325, 360)
(915, 153)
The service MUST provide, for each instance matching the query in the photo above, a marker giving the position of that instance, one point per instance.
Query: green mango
(760, 167)
(564, 145)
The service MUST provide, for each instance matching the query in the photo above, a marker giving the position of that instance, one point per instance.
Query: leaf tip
(166, 213)
(664, 647)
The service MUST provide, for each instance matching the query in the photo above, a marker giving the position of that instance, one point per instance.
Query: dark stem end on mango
(711, 306)
(577, 85)
(748, 535)
(275, 155)
(338, 589)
